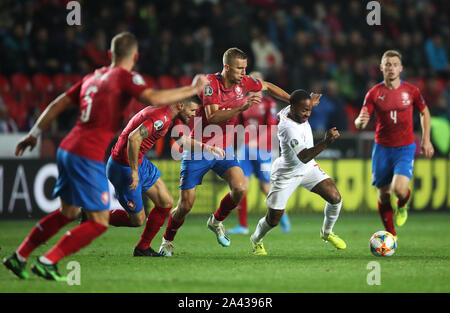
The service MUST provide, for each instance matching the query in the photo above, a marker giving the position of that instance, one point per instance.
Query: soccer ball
(382, 243)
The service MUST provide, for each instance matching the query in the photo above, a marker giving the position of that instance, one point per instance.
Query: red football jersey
(259, 121)
(157, 121)
(102, 96)
(394, 113)
(227, 99)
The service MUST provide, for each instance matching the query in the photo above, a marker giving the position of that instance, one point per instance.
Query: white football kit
(288, 172)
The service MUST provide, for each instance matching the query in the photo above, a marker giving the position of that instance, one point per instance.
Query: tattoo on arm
(143, 131)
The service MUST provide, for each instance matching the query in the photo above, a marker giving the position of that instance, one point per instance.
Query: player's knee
(239, 192)
(165, 202)
(185, 205)
(138, 221)
(400, 191)
(335, 197)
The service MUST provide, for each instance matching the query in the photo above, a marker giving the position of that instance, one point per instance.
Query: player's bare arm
(193, 145)
(134, 144)
(315, 98)
(275, 91)
(425, 144)
(363, 119)
(51, 112)
(307, 155)
(216, 116)
(159, 98)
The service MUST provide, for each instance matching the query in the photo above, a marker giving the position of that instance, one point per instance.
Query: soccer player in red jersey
(82, 183)
(393, 101)
(223, 100)
(254, 154)
(132, 174)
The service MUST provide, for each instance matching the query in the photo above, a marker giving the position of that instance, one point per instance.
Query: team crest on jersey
(158, 124)
(105, 197)
(131, 205)
(405, 98)
(208, 91)
(293, 143)
(238, 90)
(138, 80)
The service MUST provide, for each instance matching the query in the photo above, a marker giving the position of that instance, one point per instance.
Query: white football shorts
(283, 186)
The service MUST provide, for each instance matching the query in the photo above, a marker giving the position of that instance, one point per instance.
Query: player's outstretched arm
(216, 116)
(425, 122)
(193, 145)
(159, 98)
(135, 139)
(55, 107)
(363, 119)
(276, 91)
(307, 155)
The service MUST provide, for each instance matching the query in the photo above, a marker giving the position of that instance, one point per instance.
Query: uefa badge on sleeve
(208, 91)
(293, 143)
(158, 124)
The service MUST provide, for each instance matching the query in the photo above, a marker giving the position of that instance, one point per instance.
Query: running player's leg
(320, 183)
(176, 219)
(382, 172)
(281, 190)
(403, 170)
(163, 201)
(242, 227)
(43, 231)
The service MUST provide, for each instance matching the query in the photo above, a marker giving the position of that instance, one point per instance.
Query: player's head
(301, 106)
(187, 108)
(234, 65)
(391, 65)
(124, 46)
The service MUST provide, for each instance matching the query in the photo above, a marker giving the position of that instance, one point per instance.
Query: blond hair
(390, 54)
(233, 53)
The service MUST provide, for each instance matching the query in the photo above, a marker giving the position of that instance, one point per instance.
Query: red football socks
(226, 206)
(44, 230)
(119, 218)
(172, 228)
(242, 212)
(75, 239)
(155, 220)
(386, 213)
(401, 203)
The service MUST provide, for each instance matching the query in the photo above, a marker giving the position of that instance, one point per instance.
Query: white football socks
(261, 230)
(331, 213)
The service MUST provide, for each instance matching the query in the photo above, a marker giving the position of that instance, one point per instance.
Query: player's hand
(251, 100)
(315, 98)
(134, 180)
(216, 151)
(200, 82)
(362, 119)
(331, 135)
(27, 141)
(427, 148)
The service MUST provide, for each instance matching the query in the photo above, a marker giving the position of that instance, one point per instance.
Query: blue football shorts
(390, 161)
(255, 161)
(120, 177)
(81, 182)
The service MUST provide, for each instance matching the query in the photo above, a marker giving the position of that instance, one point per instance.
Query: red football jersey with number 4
(102, 96)
(394, 113)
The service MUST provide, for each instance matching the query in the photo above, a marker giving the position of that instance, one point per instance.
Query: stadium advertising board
(26, 187)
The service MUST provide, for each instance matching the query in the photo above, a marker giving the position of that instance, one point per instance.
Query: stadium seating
(185, 81)
(20, 82)
(166, 82)
(4, 84)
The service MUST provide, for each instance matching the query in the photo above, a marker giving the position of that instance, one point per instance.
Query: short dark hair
(191, 99)
(232, 54)
(297, 96)
(122, 45)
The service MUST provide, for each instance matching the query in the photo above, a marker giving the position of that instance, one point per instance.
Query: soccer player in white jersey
(296, 167)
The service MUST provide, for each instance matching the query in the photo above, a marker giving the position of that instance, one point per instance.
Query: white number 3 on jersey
(394, 116)
(86, 112)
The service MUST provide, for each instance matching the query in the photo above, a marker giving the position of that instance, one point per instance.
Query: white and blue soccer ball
(382, 243)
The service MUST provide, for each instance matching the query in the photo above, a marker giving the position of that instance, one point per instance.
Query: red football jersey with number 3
(394, 113)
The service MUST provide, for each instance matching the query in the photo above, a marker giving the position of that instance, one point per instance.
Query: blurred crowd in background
(322, 46)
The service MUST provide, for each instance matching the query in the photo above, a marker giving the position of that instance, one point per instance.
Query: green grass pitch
(296, 262)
